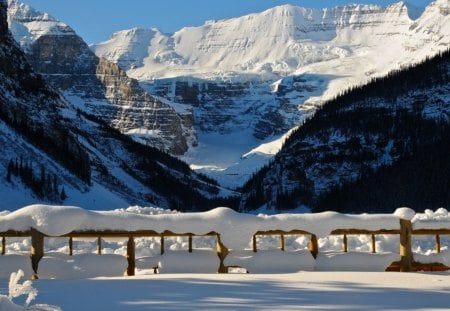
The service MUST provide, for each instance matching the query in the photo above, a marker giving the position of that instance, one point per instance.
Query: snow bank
(8, 305)
(15, 262)
(62, 266)
(354, 261)
(271, 261)
(439, 219)
(199, 261)
(443, 257)
(236, 229)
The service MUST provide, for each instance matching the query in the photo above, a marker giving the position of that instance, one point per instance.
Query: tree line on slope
(45, 187)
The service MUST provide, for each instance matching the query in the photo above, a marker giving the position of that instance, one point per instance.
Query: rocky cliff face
(227, 107)
(95, 85)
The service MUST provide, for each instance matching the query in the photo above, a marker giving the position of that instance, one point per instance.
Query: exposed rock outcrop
(95, 85)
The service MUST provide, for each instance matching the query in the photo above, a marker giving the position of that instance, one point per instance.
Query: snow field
(296, 291)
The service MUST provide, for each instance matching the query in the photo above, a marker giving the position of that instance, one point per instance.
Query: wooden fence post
(222, 252)
(131, 256)
(162, 244)
(438, 243)
(99, 246)
(255, 249)
(314, 246)
(190, 243)
(70, 246)
(344, 244)
(37, 251)
(3, 245)
(374, 246)
(282, 244)
(405, 245)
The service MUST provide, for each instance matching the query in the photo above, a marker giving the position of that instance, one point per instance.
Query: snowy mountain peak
(297, 36)
(131, 44)
(28, 24)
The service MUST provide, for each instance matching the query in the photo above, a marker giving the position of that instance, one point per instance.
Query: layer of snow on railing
(236, 229)
(440, 219)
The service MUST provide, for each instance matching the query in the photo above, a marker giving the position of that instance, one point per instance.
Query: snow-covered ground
(297, 291)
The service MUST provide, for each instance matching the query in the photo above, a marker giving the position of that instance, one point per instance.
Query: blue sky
(96, 20)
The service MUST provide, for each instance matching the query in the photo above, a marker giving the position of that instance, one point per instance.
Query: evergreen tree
(9, 170)
(63, 195)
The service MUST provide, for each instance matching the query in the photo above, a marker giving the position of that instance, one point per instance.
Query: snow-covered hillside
(279, 65)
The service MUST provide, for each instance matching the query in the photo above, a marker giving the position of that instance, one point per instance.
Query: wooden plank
(279, 232)
(3, 245)
(442, 231)
(127, 234)
(111, 234)
(282, 242)
(254, 244)
(16, 234)
(363, 231)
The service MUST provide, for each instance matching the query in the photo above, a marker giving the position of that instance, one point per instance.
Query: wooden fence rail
(405, 249)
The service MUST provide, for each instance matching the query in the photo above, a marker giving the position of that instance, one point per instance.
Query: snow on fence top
(235, 229)
(440, 219)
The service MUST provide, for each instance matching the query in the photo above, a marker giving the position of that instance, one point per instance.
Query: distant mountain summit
(279, 40)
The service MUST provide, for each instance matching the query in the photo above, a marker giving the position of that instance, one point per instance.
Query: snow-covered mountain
(96, 85)
(251, 79)
(54, 152)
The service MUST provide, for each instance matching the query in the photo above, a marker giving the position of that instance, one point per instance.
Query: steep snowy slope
(54, 152)
(257, 76)
(95, 85)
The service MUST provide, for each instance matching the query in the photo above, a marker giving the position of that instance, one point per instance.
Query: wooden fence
(405, 233)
